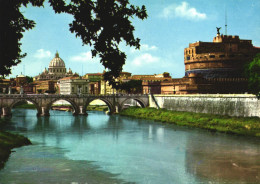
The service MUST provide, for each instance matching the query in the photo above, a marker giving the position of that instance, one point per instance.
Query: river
(104, 149)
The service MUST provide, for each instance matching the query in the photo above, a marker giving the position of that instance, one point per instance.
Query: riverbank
(8, 141)
(97, 108)
(225, 124)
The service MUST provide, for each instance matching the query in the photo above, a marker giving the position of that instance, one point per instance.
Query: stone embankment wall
(245, 105)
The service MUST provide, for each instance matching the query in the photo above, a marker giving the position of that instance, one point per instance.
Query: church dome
(56, 61)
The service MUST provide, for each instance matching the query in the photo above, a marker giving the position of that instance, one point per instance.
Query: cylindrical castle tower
(225, 57)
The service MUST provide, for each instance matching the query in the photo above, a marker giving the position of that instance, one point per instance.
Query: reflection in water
(223, 159)
(37, 164)
(133, 150)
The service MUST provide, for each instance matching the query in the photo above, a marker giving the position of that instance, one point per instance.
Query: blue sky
(170, 27)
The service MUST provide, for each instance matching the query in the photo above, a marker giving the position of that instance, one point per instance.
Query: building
(94, 82)
(225, 57)
(38, 87)
(56, 70)
(73, 85)
(4, 85)
(107, 89)
(153, 83)
(216, 67)
(21, 80)
(94, 77)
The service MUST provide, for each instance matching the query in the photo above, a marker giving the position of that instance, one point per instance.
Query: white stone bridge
(79, 103)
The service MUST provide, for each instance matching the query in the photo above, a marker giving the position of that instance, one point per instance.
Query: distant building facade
(39, 87)
(21, 80)
(152, 84)
(56, 70)
(5, 84)
(73, 85)
(107, 89)
(94, 82)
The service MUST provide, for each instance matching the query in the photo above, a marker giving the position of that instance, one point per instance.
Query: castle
(216, 67)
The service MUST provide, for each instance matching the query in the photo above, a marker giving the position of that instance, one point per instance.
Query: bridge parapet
(43, 102)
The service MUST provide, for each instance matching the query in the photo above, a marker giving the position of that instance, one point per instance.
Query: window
(212, 56)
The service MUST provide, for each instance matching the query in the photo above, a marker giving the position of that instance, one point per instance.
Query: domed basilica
(56, 70)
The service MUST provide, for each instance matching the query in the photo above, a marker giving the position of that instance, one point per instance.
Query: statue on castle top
(218, 28)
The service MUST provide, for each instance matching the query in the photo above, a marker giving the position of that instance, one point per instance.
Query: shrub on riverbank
(9, 141)
(25, 106)
(226, 124)
(97, 108)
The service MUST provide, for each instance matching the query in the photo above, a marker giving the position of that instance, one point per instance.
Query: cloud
(145, 59)
(145, 48)
(41, 53)
(83, 57)
(184, 11)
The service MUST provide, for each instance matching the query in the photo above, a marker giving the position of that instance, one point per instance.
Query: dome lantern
(57, 55)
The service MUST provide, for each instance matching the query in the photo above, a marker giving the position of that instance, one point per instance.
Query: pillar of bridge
(44, 112)
(116, 109)
(6, 112)
(82, 110)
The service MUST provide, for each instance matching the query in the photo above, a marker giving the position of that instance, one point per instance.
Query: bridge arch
(140, 102)
(110, 105)
(25, 100)
(73, 104)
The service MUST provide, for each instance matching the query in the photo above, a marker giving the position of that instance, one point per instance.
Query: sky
(170, 27)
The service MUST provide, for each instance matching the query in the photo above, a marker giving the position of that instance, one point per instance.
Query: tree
(253, 74)
(102, 24)
(132, 86)
(12, 26)
(29, 79)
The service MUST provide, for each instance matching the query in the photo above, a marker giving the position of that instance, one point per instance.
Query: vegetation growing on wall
(253, 73)
(226, 124)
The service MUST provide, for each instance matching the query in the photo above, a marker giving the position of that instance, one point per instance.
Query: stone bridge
(79, 103)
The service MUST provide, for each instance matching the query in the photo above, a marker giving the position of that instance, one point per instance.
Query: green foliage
(234, 125)
(132, 86)
(25, 106)
(253, 73)
(12, 26)
(102, 24)
(97, 108)
(29, 79)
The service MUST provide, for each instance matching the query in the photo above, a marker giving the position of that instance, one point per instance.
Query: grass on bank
(9, 141)
(235, 125)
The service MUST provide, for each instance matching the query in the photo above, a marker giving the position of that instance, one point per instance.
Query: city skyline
(170, 27)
